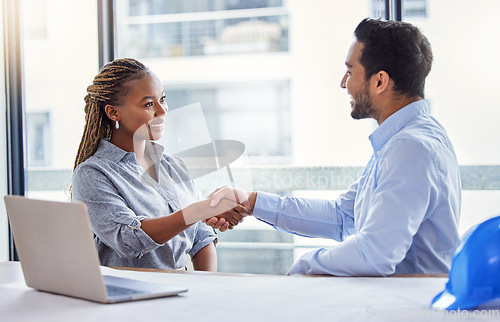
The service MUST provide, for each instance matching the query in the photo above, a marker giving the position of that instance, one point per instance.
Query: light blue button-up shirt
(402, 213)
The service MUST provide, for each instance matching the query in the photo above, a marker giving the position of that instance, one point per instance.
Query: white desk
(234, 297)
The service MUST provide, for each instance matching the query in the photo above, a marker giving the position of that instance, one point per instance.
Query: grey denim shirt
(119, 194)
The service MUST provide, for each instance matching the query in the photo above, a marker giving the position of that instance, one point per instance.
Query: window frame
(14, 102)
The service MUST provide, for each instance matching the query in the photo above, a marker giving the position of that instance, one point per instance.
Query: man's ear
(112, 112)
(381, 82)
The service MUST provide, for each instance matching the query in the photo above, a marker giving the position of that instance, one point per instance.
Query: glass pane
(267, 73)
(462, 86)
(60, 61)
(200, 33)
(411, 9)
(150, 7)
(264, 104)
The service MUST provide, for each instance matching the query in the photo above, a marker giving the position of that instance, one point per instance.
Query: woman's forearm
(162, 229)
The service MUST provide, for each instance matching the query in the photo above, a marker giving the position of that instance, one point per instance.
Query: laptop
(56, 249)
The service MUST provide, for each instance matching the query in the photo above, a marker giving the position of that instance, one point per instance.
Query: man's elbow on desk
(329, 261)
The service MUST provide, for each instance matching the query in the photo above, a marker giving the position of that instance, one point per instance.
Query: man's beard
(363, 106)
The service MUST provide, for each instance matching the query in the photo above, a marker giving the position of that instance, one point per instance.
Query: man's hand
(233, 216)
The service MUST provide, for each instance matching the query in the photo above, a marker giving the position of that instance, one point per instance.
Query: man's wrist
(252, 198)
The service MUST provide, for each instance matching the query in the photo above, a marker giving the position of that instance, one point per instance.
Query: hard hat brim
(448, 301)
(444, 301)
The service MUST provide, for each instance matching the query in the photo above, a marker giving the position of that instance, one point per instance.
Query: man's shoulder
(423, 141)
(425, 130)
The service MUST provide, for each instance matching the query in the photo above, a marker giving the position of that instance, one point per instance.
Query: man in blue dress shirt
(402, 214)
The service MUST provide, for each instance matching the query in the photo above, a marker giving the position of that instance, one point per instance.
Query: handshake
(222, 209)
(245, 202)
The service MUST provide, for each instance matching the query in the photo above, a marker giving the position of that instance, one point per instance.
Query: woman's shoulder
(89, 168)
(106, 154)
(95, 166)
(92, 163)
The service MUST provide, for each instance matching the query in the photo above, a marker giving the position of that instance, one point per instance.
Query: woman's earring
(117, 125)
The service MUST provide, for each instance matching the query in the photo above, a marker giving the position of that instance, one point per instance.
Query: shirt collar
(394, 123)
(109, 151)
(155, 151)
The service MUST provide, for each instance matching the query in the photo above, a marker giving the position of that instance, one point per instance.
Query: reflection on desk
(234, 297)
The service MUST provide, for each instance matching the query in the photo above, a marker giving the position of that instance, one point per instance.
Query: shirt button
(378, 152)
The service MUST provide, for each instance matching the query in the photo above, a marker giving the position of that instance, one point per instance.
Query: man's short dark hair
(398, 48)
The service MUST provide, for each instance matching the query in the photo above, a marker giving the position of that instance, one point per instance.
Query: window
(39, 140)
(410, 9)
(266, 73)
(59, 63)
(463, 95)
(274, 86)
(414, 9)
(36, 14)
(264, 105)
(196, 28)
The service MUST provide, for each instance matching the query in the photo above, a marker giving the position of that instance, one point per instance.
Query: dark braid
(107, 88)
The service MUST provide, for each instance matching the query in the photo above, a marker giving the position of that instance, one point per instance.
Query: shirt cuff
(266, 207)
(147, 242)
(205, 235)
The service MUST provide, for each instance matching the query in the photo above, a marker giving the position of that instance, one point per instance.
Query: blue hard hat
(474, 276)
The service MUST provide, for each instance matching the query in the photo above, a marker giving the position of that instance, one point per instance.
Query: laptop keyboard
(117, 290)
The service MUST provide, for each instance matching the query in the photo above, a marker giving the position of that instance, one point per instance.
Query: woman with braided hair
(144, 209)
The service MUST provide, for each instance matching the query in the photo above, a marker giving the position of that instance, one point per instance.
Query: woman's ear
(112, 113)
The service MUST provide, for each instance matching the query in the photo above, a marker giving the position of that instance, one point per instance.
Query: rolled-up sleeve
(204, 236)
(112, 221)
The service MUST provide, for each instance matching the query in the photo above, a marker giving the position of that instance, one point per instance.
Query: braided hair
(107, 88)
